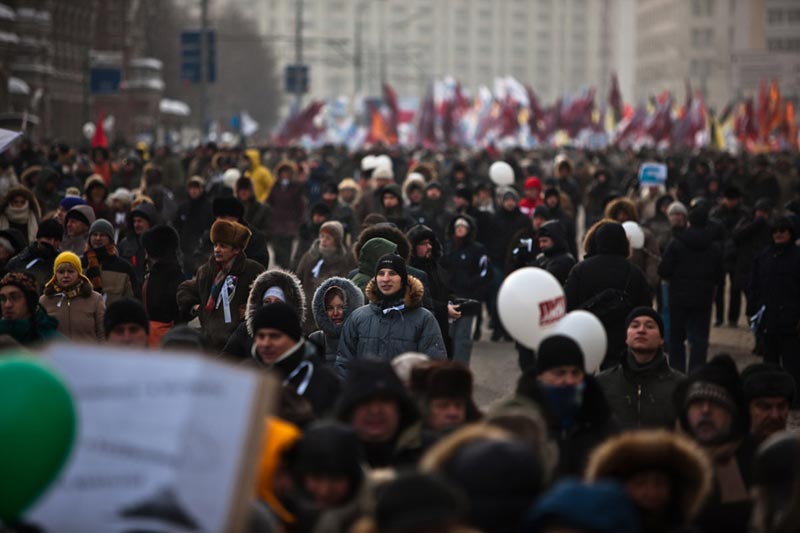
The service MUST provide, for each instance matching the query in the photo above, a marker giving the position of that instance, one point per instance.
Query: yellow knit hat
(68, 257)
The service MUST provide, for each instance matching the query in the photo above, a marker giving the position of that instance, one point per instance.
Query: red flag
(390, 98)
(300, 124)
(426, 128)
(99, 139)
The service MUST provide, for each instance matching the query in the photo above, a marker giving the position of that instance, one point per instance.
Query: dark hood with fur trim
(353, 299)
(19, 190)
(678, 456)
(388, 232)
(412, 298)
(419, 233)
(283, 279)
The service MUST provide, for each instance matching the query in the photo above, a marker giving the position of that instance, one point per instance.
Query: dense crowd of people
(361, 279)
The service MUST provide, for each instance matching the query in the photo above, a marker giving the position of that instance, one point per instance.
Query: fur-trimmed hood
(419, 233)
(283, 279)
(19, 190)
(440, 454)
(636, 451)
(412, 299)
(412, 179)
(286, 163)
(624, 205)
(353, 299)
(386, 231)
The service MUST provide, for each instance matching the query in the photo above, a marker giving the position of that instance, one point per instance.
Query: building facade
(352, 46)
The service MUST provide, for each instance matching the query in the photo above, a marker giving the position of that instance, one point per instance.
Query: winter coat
(79, 318)
(30, 225)
(557, 260)
(438, 280)
(608, 268)
(306, 236)
(196, 291)
(288, 208)
(648, 258)
(775, 284)
(258, 216)
(41, 328)
(728, 219)
(385, 333)
(131, 248)
(523, 250)
(328, 334)
(117, 275)
(37, 260)
(304, 372)
(593, 424)
(692, 264)
(315, 267)
(193, 219)
(505, 224)
(262, 178)
(660, 227)
(750, 237)
(557, 213)
(241, 341)
(641, 396)
(163, 279)
(467, 264)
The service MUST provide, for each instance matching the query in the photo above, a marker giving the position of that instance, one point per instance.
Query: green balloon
(37, 429)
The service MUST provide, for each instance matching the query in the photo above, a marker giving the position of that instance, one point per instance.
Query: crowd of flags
(511, 114)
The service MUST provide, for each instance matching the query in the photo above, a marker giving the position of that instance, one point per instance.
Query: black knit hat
(417, 501)
(394, 262)
(161, 241)
(558, 350)
(280, 316)
(717, 381)
(646, 311)
(50, 229)
(465, 193)
(125, 311)
(227, 206)
(322, 209)
(767, 380)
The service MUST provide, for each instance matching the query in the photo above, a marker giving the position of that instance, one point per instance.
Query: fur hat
(125, 311)
(558, 350)
(679, 457)
(81, 212)
(280, 316)
(230, 233)
(677, 207)
(415, 501)
(645, 311)
(371, 378)
(442, 379)
(50, 229)
(348, 183)
(227, 206)
(103, 226)
(622, 205)
(330, 448)
(161, 241)
(27, 284)
(767, 380)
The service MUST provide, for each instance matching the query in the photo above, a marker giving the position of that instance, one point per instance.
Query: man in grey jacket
(394, 322)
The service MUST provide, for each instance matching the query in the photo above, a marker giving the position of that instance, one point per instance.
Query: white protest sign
(652, 174)
(165, 442)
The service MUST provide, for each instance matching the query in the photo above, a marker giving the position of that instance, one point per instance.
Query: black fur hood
(287, 282)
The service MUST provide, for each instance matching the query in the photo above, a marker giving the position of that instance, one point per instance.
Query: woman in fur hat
(667, 476)
(327, 257)
(274, 285)
(333, 302)
(69, 298)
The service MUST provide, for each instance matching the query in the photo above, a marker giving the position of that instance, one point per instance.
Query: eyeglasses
(14, 297)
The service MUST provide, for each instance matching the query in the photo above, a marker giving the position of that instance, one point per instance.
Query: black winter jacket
(692, 263)
(775, 284)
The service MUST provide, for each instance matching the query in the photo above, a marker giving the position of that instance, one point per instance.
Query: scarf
(219, 278)
(20, 215)
(70, 293)
(94, 269)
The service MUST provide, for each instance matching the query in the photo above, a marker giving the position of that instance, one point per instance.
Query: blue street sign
(296, 78)
(190, 56)
(105, 80)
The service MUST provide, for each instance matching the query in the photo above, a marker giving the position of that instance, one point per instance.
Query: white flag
(7, 137)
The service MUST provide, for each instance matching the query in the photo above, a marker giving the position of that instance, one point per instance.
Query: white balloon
(368, 162)
(530, 303)
(586, 330)
(88, 130)
(383, 161)
(501, 173)
(634, 233)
